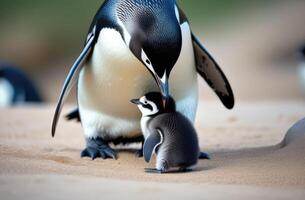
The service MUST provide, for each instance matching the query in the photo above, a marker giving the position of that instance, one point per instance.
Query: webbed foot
(98, 148)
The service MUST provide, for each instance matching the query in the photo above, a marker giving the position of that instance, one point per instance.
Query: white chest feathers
(144, 126)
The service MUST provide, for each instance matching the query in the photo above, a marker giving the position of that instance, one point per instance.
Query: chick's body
(179, 148)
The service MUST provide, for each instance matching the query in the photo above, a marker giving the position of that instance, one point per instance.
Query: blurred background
(255, 42)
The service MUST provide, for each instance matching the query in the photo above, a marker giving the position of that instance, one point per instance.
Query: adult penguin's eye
(145, 57)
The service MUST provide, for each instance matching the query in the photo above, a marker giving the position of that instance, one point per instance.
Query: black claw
(93, 153)
(110, 153)
(102, 154)
(203, 155)
(94, 156)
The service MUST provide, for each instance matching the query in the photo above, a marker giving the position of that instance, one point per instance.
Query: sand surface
(250, 157)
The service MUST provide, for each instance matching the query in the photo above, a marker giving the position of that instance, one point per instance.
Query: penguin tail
(73, 115)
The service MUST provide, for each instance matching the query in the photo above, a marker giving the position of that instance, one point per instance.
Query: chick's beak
(136, 101)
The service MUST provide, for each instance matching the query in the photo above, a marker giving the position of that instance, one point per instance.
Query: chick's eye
(145, 102)
(147, 61)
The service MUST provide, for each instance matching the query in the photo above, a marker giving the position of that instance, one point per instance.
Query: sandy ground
(249, 158)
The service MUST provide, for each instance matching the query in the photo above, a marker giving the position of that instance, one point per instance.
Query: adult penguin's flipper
(151, 143)
(211, 72)
(72, 78)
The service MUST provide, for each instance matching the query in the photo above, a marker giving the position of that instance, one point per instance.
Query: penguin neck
(145, 120)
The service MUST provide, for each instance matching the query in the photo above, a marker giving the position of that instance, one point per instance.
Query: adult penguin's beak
(164, 88)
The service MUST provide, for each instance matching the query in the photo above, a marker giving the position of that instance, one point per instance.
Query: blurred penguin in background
(301, 68)
(16, 88)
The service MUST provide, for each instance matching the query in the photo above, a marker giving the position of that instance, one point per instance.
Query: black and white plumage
(167, 133)
(135, 47)
(16, 88)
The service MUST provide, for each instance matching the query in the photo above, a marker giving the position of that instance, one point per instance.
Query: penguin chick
(167, 133)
